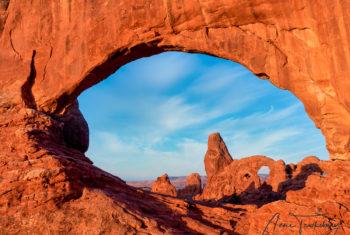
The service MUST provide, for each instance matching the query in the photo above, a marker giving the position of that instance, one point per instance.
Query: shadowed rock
(75, 130)
(242, 176)
(193, 186)
(45, 179)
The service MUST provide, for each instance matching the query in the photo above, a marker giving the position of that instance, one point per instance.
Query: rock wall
(52, 51)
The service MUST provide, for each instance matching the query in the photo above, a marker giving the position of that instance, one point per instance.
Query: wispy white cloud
(261, 119)
(175, 113)
(154, 116)
(278, 133)
(160, 71)
(111, 143)
(217, 78)
(248, 144)
(132, 161)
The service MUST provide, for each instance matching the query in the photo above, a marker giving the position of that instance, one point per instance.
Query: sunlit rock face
(241, 176)
(163, 186)
(319, 189)
(51, 51)
(217, 156)
(49, 57)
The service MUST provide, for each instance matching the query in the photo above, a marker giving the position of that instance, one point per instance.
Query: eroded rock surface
(193, 186)
(48, 57)
(163, 186)
(320, 201)
(51, 51)
(241, 177)
(75, 129)
(217, 156)
(312, 191)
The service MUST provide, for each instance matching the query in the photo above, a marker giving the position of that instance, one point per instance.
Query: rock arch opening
(174, 100)
(264, 173)
(52, 51)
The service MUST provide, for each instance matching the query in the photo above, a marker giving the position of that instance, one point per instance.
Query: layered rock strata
(51, 51)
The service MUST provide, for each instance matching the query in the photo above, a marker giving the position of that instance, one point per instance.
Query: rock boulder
(163, 186)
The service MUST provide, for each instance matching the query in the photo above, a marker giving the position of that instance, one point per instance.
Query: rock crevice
(27, 92)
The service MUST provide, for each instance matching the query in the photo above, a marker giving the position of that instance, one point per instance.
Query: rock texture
(241, 177)
(193, 186)
(217, 156)
(75, 129)
(311, 197)
(163, 186)
(317, 202)
(51, 51)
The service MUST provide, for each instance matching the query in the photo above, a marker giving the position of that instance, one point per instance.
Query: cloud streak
(132, 161)
(154, 115)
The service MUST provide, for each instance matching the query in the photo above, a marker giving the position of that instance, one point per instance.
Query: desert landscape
(52, 51)
(179, 182)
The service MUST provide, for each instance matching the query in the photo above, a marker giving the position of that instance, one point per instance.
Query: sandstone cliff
(51, 51)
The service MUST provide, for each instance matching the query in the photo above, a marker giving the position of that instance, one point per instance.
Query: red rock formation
(75, 129)
(317, 195)
(241, 176)
(217, 156)
(193, 186)
(52, 51)
(321, 202)
(73, 52)
(163, 186)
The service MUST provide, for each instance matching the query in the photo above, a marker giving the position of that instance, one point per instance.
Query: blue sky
(154, 114)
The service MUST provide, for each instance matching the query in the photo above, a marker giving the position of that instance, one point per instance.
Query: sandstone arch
(51, 52)
(242, 175)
